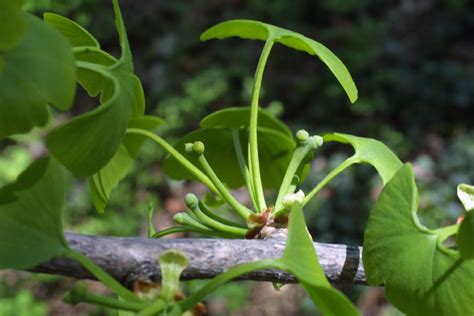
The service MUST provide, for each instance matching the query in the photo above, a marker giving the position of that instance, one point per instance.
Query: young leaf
(301, 260)
(371, 151)
(421, 275)
(275, 148)
(465, 237)
(249, 29)
(32, 81)
(31, 218)
(87, 143)
(13, 24)
(237, 117)
(466, 196)
(103, 182)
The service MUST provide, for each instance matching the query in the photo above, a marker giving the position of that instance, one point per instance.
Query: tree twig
(135, 259)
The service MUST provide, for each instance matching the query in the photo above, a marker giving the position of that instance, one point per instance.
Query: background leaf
(371, 151)
(236, 117)
(275, 152)
(31, 219)
(420, 274)
(249, 29)
(29, 82)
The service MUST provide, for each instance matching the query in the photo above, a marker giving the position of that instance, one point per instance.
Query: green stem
(225, 277)
(243, 211)
(244, 170)
(104, 277)
(210, 214)
(216, 225)
(153, 309)
(91, 298)
(187, 229)
(190, 220)
(299, 154)
(180, 158)
(344, 165)
(255, 164)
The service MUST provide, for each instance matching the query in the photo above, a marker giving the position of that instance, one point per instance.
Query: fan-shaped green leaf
(465, 237)
(76, 34)
(88, 142)
(28, 83)
(301, 260)
(275, 152)
(31, 218)
(371, 151)
(249, 29)
(236, 117)
(13, 24)
(421, 275)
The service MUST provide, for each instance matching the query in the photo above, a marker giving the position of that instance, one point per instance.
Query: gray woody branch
(135, 259)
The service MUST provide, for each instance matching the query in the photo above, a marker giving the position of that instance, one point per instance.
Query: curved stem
(103, 277)
(297, 158)
(92, 298)
(255, 165)
(173, 152)
(153, 309)
(343, 166)
(187, 229)
(243, 211)
(244, 170)
(223, 220)
(225, 277)
(216, 225)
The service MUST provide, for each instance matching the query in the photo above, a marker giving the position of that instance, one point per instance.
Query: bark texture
(135, 259)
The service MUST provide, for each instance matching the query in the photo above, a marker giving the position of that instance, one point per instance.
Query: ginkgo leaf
(30, 81)
(275, 153)
(465, 236)
(420, 274)
(371, 151)
(249, 29)
(88, 142)
(31, 216)
(236, 117)
(13, 23)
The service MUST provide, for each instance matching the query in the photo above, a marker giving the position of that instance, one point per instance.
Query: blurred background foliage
(412, 60)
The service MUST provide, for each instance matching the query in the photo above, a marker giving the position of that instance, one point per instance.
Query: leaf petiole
(343, 166)
(253, 142)
(173, 152)
(103, 276)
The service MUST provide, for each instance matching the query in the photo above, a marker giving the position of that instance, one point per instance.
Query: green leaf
(31, 219)
(466, 196)
(13, 24)
(275, 153)
(301, 260)
(76, 34)
(236, 117)
(371, 151)
(249, 29)
(421, 275)
(465, 237)
(88, 142)
(103, 182)
(30, 82)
